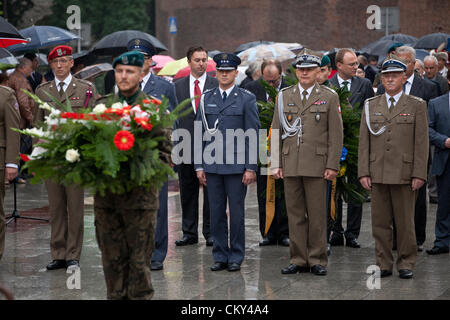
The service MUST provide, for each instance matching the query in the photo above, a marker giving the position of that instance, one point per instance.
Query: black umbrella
(7, 57)
(400, 37)
(9, 35)
(249, 45)
(378, 48)
(431, 41)
(116, 43)
(43, 36)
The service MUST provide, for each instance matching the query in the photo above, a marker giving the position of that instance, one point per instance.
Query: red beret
(60, 51)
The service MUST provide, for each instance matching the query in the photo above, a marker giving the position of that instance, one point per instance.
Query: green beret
(325, 61)
(130, 58)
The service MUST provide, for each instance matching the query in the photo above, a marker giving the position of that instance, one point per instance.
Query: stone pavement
(186, 273)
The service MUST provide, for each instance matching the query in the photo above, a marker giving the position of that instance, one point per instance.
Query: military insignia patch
(339, 109)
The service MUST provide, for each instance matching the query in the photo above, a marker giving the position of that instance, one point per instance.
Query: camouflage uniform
(125, 227)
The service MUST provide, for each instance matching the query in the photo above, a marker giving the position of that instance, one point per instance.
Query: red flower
(143, 122)
(24, 157)
(155, 101)
(124, 140)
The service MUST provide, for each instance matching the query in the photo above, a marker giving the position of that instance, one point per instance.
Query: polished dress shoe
(186, 241)
(284, 242)
(57, 264)
(217, 266)
(352, 243)
(293, 268)
(266, 242)
(209, 242)
(73, 264)
(437, 250)
(385, 273)
(405, 274)
(156, 265)
(318, 270)
(337, 241)
(234, 267)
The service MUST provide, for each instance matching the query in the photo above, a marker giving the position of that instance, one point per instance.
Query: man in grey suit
(360, 89)
(432, 73)
(191, 87)
(157, 87)
(439, 132)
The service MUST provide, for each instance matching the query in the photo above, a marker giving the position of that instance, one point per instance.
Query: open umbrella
(400, 37)
(7, 57)
(9, 35)
(93, 71)
(264, 51)
(42, 59)
(431, 41)
(171, 68)
(116, 42)
(161, 61)
(210, 68)
(378, 48)
(249, 45)
(43, 36)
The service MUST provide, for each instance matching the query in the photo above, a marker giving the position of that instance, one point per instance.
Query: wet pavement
(186, 273)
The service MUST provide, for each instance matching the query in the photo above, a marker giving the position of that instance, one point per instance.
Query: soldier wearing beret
(125, 223)
(231, 167)
(308, 129)
(392, 163)
(156, 87)
(66, 202)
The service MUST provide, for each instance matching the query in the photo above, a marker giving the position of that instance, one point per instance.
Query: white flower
(100, 108)
(117, 105)
(72, 155)
(37, 152)
(45, 106)
(35, 132)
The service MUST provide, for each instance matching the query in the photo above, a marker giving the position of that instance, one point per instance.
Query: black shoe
(209, 242)
(234, 267)
(437, 250)
(284, 242)
(353, 243)
(385, 273)
(433, 200)
(337, 241)
(405, 274)
(328, 249)
(73, 264)
(267, 242)
(293, 268)
(217, 266)
(156, 265)
(57, 264)
(419, 247)
(319, 270)
(186, 241)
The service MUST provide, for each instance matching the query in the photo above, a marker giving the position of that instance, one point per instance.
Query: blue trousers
(442, 228)
(162, 225)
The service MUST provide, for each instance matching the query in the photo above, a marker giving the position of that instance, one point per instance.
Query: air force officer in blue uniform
(228, 164)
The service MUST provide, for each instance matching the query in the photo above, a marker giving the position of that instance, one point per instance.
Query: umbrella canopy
(171, 68)
(400, 37)
(42, 59)
(264, 51)
(431, 41)
(294, 47)
(7, 57)
(161, 61)
(43, 36)
(249, 45)
(378, 48)
(93, 71)
(116, 42)
(210, 68)
(213, 53)
(9, 35)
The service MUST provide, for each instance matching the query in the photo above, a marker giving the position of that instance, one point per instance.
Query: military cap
(307, 59)
(60, 51)
(226, 61)
(325, 61)
(141, 45)
(393, 65)
(130, 58)
(394, 46)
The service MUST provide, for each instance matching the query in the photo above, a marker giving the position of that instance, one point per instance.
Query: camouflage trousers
(125, 227)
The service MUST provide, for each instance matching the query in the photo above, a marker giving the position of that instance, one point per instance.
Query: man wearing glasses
(278, 233)
(66, 202)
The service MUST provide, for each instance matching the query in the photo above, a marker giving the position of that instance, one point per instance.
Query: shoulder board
(285, 88)
(44, 84)
(416, 98)
(209, 90)
(328, 89)
(88, 83)
(246, 91)
(7, 89)
(373, 98)
(162, 78)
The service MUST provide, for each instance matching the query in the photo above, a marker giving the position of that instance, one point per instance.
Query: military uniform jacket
(9, 118)
(159, 87)
(320, 145)
(239, 111)
(79, 92)
(401, 152)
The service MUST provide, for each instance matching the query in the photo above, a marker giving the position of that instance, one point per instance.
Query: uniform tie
(391, 107)
(224, 96)
(61, 89)
(304, 93)
(404, 86)
(197, 94)
(345, 84)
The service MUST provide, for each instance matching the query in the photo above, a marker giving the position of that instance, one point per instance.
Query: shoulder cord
(288, 129)
(205, 123)
(382, 129)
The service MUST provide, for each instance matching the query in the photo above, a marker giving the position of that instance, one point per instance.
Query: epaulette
(209, 90)
(373, 98)
(417, 98)
(328, 88)
(8, 89)
(88, 83)
(246, 91)
(43, 85)
(285, 88)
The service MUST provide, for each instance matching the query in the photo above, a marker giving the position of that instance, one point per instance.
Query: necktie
(61, 89)
(304, 93)
(404, 86)
(345, 84)
(197, 93)
(391, 107)
(140, 84)
(224, 96)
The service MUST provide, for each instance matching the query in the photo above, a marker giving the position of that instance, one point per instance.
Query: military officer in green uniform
(125, 223)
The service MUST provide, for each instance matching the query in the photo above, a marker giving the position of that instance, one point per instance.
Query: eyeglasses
(354, 64)
(61, 61)
(273, 81)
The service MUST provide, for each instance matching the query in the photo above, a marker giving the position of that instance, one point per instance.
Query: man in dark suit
(439, 132)
(191, 87)
(426, 90)
(271, 71)
(157, 87)
(360, 89)
(431, 72)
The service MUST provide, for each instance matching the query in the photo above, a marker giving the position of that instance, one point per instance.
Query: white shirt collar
(340, 80)
(145, 80)
(201, 80)
(309, 90)
(396, 98)
(228, 91)
(66, 81)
